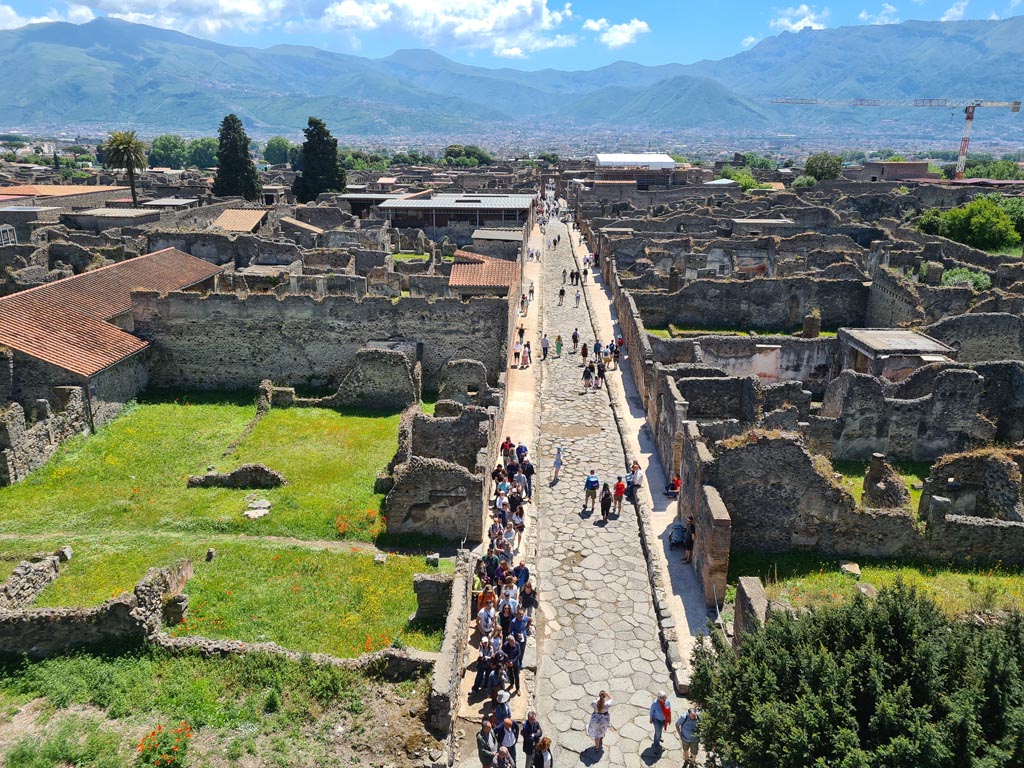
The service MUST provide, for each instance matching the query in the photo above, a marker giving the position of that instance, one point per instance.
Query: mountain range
(109, 73)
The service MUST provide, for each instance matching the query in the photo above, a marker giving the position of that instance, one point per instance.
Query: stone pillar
(433, 595)
(933, 273)
(673, 280)
(751, 607)
(812, 326)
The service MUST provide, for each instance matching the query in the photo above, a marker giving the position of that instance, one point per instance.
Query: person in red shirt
(672, 489)
(618, 492)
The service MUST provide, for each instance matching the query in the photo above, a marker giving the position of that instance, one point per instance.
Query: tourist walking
(527, 355)
(588, 379)
(600, 719)
(661, 714)
(565, 274)
(585, 271)
(635, 481)
(590, 486)
(542, 755)
(528, 471)
(561, 296)
(584, 351)
(578, 297)
(606, 502)
(517, 350)
(530, 293)
(618, 493)
(558, 462)
(688, 727)
(575, 339)
(486, 744)
(544, 344)
(529, 599)
(558, 345)
(689, 539)
(601, 369)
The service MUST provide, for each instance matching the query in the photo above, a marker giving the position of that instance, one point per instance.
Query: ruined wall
(29, 578)
(892, 301)
(979, 484)
(761, 304)
(25, 447)
(227, 342)
(458, 439)
(814, 362)
(240, 249)
(438, 498)
(982, 337)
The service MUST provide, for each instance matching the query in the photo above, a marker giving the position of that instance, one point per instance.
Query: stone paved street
(600, 629)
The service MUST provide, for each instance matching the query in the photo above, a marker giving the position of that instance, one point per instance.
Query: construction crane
(968, 107)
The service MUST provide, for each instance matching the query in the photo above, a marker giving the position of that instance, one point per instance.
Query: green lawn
(675, 331)
(807, 579)
(410, 256)
(131, 475)
(912, 472)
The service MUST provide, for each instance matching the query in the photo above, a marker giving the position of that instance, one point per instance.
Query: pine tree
(236, 172)
(56, 160)
(321, 170)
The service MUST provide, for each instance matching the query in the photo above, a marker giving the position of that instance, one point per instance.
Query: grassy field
(812, 580)
(90, 711)
(912, 472)
(674, 331)
(119, 499)
(410, 256)
(131, 475)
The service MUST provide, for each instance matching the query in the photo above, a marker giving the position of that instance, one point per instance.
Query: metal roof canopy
(463, 202)
(649, 160)
(895, 340)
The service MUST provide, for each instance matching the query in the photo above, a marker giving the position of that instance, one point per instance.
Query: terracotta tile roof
(64, 323)
(471, 270)
(241, 219)
(56, 190)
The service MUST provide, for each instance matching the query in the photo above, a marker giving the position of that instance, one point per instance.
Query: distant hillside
(110, 73)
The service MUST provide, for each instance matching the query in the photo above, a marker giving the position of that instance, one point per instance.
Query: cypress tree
(236, 172)
(321, 170)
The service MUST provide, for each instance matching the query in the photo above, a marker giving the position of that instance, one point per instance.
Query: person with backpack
(575, 339)
(590, 486)
(588, 378)
(606, 502)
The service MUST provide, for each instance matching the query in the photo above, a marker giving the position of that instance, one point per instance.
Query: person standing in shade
(661, 715)
(600, 719)
(558, 345)
(486, 744)
(577, 297)
(688, 727)
(689, 539)
(542, 755)
(575, 339)
(545, 343)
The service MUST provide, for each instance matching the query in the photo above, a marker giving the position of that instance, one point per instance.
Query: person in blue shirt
(514, 654)
(522, 574)
(519, 626)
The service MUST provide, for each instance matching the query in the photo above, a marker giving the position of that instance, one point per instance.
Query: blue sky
(530, 34)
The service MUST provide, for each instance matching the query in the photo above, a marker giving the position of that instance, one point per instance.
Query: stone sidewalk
(599, 625)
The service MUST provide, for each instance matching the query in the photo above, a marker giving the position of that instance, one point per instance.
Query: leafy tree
(804, 181)
(124, 149)
(824, 165)
(982, 223)
(169, 150)
(761, 163)
(891, 683)
(897, 158)
(56, 160)
(743, 177)
(453, 153)
(8, 137)
(276, 151)
(236, 172)
(77, 149)
(1013, 206)
(550, 158)
(321, 170)
(295, 157)
(13, 144)
(202, 153)
(979, 280)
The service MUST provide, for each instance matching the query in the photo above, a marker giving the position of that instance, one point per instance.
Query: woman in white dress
(600, 720)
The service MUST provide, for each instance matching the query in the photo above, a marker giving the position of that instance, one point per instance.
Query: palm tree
(123, 149)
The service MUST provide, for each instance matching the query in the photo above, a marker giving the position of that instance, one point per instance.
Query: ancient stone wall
(983, 483)
(25, 447)
(228, 342)
(893, 301)
(240, 249)
(751, 607)
(813, 362)
(29, 578)
(436, 497)
(444, 699)
(458, 439)
(720, 398)
(982, 337)
(760, 304)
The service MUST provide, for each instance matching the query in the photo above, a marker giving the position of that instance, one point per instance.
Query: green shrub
(979, 280)
(73, 741)
(804, 181)
(165, 747)
(982, 223)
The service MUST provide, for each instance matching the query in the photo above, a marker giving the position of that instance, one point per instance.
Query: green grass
(307, 599)
(410, 256)
(675, 331)
(74, 741)
(151, 687)
(912, 472)
(131, 475)
(807, 580)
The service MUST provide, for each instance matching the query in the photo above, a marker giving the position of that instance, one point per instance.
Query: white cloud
(885, 16)
(598, 25)
(956, 11)
(748, 41)
(800, 17)
(620, 35)
(76, 14)
(1014, 4)
(993, 16)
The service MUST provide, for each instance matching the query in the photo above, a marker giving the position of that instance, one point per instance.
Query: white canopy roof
(650, 160)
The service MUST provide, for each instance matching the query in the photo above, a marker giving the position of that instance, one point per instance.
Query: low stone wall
(30, 578)
(444, 700)
(124, 621)
(245, 476)
(751, 607)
